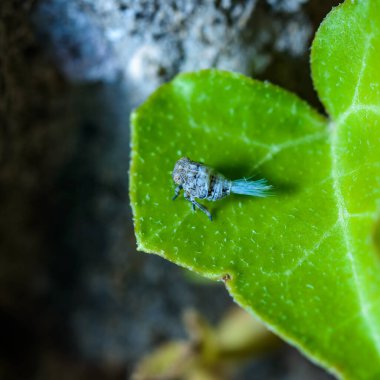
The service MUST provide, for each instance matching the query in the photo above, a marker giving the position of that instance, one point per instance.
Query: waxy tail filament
(259, 188)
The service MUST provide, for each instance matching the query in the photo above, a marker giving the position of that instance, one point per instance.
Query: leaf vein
(343, 217)
(363, 66)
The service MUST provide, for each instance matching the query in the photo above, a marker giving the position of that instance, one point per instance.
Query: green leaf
(305, 261)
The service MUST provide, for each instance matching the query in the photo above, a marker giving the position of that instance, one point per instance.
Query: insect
(202, 182)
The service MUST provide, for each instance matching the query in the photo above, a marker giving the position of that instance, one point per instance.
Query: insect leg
(202, 208)
(177, 191)
(198, 205)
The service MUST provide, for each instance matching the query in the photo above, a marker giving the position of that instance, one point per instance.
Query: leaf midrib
(344, 221)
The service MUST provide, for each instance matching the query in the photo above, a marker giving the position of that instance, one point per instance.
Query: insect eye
(177, 178)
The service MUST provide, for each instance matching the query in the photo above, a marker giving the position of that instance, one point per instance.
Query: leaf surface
(305, 261)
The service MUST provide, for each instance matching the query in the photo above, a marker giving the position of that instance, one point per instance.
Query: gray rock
(148, 42)
(78, 44)
(289, 6)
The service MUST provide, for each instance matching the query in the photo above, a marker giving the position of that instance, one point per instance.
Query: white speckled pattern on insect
(202, 182)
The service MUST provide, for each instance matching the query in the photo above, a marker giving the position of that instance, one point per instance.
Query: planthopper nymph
(202, 182)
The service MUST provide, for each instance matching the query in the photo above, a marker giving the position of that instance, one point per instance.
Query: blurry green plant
(210, 353)
(305, 261)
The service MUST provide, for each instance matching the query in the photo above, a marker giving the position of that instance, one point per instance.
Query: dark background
(76, 300)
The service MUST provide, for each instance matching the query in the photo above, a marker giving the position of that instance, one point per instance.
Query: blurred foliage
(210, 353)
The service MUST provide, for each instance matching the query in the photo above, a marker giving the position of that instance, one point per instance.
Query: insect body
(202, 182)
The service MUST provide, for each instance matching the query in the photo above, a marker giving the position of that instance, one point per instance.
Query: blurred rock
(150, 41)
(78, 44)
(154, 40)
(289, 6)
